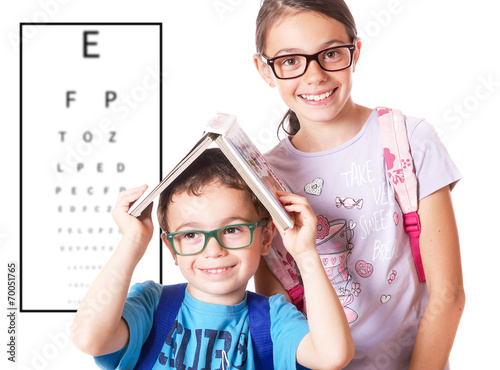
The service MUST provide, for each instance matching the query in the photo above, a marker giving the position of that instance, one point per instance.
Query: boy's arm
(98, 327)
(440, 250)
(329, 344)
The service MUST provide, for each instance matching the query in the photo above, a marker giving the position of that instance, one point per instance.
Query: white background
(435, 59)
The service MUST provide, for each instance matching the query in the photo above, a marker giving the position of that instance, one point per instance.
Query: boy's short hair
(211, 166)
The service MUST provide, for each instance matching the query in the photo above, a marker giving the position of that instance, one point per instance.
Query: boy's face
(218, 275)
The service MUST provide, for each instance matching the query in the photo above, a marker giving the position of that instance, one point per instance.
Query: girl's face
(317, 96)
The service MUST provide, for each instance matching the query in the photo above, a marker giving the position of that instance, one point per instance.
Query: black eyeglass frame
(309, 58)
(213, 234)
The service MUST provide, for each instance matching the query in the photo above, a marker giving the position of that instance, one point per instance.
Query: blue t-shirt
(207, 336)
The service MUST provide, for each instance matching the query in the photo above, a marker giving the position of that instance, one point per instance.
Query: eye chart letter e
(90, 127)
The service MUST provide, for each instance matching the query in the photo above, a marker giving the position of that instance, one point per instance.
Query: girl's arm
(440, 252)
(98, 327)
(329, 344)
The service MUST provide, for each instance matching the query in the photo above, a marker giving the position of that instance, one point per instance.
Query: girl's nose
(314, 73)
(214, 249)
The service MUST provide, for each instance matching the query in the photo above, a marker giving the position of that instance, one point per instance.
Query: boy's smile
(217, 275)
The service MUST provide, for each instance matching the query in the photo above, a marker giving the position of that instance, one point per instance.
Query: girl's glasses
(191, 242)
(290, 66)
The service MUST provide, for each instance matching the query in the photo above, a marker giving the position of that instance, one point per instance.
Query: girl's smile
(319, 98)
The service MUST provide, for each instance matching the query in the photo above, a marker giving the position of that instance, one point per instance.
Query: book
(226, 133)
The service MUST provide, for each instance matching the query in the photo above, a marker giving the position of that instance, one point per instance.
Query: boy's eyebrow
(202, 227)
(188, 226)
(324, 45)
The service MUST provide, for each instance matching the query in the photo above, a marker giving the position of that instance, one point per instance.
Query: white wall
(439, 60)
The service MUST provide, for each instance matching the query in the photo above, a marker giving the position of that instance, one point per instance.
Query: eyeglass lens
(334, 59)
(231, 237)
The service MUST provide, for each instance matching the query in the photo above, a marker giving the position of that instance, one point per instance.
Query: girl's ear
(167, 243)
(267, 237)
(356, 53)
(263, 69)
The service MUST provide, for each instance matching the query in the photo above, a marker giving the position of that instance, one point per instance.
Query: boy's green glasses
(191, 242)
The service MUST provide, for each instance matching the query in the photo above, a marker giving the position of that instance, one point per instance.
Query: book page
(257, 164)
(256, 161)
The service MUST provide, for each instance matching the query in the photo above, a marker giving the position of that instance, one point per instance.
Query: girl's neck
(320, 136)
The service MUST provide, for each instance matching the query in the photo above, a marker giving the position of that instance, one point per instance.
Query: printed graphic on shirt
(211, 346)
(348, 203)
(315, 187)
(385, 298)
(371, 215)
(395, 217)
(392, 277)
(333, 243)
(364, 269)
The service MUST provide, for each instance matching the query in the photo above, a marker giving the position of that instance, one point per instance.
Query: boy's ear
(263, 69)
(167, 243)
(267, 237)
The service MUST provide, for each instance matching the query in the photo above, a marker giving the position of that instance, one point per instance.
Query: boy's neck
(229, 299)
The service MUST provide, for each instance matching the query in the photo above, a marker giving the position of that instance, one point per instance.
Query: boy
(212, 325)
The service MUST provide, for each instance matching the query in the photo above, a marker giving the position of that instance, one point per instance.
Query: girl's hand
(138, 230)
(302, 237)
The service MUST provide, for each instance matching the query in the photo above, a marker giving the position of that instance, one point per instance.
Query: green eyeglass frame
(213, 234)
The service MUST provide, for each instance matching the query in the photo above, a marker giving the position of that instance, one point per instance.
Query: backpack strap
(164, 318)
(402, 175)
(282, 265)
(259, 321)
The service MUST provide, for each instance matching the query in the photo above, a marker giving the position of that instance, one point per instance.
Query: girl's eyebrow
(324, 45)
(288, 51)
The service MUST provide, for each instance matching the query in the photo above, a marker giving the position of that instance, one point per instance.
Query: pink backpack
(404, 181)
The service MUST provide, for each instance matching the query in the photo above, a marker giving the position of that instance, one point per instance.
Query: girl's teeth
(317, 97)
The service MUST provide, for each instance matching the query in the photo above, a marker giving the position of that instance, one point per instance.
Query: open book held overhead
(224, 131)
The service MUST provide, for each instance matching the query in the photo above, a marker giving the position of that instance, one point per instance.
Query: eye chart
(90, 128)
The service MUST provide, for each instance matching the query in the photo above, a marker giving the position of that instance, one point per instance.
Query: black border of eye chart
(160, 131)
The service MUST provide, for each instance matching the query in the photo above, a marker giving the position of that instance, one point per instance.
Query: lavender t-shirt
(360, 238)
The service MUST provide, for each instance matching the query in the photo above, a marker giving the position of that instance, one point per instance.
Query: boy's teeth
(317, 97)
(217, 271)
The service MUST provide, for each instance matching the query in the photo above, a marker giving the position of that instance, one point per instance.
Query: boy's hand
(302, 237)
(138, 230)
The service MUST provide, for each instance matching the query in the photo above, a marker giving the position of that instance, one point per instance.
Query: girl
(308, 50)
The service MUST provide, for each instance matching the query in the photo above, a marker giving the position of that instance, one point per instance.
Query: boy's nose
(214, 249)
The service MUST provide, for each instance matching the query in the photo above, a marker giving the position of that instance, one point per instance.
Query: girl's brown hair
(272, 11)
